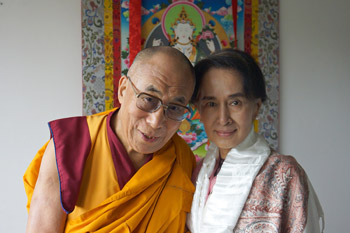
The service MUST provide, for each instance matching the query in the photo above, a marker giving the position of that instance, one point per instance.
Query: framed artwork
(114, 31)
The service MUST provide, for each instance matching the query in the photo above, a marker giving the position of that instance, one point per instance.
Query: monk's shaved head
(146, 54)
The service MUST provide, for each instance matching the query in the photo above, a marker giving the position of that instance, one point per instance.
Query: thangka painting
(114, 31)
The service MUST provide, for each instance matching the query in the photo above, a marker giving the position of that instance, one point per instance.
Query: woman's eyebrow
(236, 95)
(232, 96)
(208, 98)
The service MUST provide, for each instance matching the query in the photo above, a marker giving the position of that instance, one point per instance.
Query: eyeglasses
(150, 103)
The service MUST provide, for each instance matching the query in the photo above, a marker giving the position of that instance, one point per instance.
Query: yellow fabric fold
(156, 199)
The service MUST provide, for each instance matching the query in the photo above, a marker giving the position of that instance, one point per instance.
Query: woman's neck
(223, 153)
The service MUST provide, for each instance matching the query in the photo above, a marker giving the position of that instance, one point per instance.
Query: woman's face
(225, 111)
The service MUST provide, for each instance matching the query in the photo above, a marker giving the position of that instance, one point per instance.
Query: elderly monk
(124, 170)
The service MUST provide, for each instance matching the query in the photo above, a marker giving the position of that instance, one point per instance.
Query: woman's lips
(225, 133)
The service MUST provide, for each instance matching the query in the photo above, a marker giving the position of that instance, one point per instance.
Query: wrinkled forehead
(167, 71)
(162, 80)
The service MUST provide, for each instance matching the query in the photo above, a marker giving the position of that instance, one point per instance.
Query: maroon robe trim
(72, 143)
(122, 163)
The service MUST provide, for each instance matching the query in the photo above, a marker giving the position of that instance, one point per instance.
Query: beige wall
(40, 74)
(315, 99)
(40, 80)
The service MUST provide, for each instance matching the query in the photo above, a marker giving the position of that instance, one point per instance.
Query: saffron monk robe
(124, 170)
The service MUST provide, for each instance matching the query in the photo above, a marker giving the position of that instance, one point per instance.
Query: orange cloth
(156, 199)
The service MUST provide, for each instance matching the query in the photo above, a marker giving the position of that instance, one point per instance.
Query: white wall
(40, 80)
(315, 99)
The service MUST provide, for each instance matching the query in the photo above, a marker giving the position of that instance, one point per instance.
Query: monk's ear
(122, 88)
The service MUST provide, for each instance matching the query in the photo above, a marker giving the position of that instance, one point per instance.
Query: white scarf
(223, 208)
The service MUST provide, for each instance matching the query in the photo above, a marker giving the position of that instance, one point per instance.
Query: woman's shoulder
(278, 160)
(279, 189)
(283, 168)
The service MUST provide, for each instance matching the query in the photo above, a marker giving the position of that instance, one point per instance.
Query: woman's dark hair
(236, 60)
